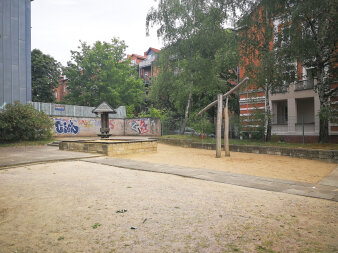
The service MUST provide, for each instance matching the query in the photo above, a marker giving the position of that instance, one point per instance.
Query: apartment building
(61, 90)
(295, 107)
(146, 66)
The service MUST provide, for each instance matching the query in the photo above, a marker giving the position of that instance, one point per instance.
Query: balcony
(304, 85)
(281, 89)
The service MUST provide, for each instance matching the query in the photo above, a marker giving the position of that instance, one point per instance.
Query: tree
(257, 53)
(101, 73)
(45, 76)
(194, 35)
(309, 38)
(313, 43)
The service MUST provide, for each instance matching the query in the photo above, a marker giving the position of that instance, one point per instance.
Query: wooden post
(219, 126)
(226, 129)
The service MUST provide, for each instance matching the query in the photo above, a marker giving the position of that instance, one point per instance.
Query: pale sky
(58, 25)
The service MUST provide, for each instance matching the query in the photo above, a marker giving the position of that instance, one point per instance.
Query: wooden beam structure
(219, 126)
(224, 96)
(226, 129)
(219, 101)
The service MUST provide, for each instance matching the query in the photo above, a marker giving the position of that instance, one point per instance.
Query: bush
(202, 124)
(153, 113)
(23, 122)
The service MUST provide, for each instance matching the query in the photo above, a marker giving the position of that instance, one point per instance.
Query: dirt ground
(77, 206)
(281, 167)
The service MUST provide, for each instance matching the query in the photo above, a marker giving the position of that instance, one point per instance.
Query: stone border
(110, 148)
(313, 154)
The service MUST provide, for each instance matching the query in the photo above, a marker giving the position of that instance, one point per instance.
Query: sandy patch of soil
(281, 167)
(73, 207)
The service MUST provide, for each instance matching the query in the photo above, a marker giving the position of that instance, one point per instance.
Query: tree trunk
(186, 113)
(323, 88)
(267, 116)
(323, 130)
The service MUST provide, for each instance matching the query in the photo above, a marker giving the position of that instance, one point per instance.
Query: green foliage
(96, 225)
(201, 124)
(130, 111)
(259, 118)
(23, 122)
(101, 73)
(329, 114)
(45, 76)
(153, 113)
(200, 57)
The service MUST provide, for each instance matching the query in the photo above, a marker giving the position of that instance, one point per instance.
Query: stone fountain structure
(103, 110)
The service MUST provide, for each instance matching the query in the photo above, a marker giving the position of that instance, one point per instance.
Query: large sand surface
(272, 166)
(72, 207)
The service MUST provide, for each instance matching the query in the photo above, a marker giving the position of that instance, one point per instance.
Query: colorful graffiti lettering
(113, 124)
(85, 123)
(64, 127)
(139, 126)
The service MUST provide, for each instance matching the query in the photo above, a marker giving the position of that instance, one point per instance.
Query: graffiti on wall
(74, 126)
(66, 127)
(139, 126)
(113, 124)
(89, 123)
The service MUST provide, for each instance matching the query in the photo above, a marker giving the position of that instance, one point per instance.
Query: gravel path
(77, 206)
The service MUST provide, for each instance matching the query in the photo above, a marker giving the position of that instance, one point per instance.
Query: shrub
(23, 122)
(153, 113)
(201, 123)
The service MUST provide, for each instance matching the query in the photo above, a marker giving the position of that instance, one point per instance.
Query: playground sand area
(271, 166)
(77, 206)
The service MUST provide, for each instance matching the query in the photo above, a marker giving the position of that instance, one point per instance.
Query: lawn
(325, 146)
(27, 143)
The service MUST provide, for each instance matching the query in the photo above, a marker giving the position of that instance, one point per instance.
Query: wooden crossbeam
(224, 96)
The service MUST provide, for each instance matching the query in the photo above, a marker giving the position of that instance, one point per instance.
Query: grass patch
(262, 249)
(198, 139)
(61, 238)
(96, 225)
(27, 143)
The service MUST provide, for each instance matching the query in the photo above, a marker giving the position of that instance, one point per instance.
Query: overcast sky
(58, 25)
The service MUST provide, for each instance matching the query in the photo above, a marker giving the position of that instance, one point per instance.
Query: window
(280, 112)
(310, 75)
(284, 36)
(305, 110)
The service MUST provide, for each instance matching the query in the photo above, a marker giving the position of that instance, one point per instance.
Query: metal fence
(172, 126)
(63, 110)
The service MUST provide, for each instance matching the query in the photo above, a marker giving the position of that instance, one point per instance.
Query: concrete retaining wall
(314, 154)
(77, 126)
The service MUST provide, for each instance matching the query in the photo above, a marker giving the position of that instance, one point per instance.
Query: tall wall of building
(15, 51)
